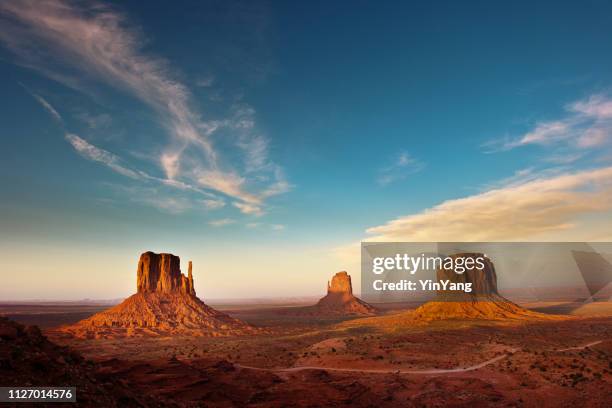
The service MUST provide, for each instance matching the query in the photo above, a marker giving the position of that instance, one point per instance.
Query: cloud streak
(48, 107)
(587, 124)
(222, 222)
(91, 152)
(402, 166)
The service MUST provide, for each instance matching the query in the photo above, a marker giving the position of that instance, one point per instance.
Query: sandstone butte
(165, 304)
(484, 302)
(340, 299)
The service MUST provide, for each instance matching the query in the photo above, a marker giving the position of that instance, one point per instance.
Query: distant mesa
(165, 304)
(483, 302)
(339, 301)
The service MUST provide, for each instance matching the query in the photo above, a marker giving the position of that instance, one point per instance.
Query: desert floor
(388, 360)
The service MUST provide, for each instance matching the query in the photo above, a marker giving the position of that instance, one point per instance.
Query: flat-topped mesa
(161, 273)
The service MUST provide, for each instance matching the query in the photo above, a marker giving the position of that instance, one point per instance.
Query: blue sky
(264, 140)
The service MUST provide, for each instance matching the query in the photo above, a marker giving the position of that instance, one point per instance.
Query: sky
(266, 140)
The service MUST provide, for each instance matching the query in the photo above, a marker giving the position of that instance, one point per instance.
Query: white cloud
(402, 166)
(247, 208)
(168, 204)
(596, 106)
(213, 204)
(45, 104)
(587, 124)
(564, 158)
(547, 132)
(277, 227)
(48, 107)
(593, 137)
(222, 222)
(227, 183)
(205, 81)
(107, 158)
(94, 121)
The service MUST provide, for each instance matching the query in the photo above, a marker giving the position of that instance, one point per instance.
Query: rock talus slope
(165, 304)
(483, 302)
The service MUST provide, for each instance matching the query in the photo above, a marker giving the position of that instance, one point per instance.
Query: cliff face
(161, 273)
(483, 280)
(340, 283)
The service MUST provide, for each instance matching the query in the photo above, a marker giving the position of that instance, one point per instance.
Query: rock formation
(28, 358)
(165, 304)
(484, 301)
(340, 299)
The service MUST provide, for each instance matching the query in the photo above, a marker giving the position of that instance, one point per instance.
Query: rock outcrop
(340, 299)
(28, 358)
(483, 302)
(165, 304)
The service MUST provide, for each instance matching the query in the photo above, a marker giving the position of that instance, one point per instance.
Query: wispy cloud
(402, 166)
(94, 153)
(45, 104)
(525, 175)
(222, 222)
(48, 107)
(213, 204)
(273, 227)
(94, 121)
(247, 208)
(75, 42)
(587, 124)
(564, 158)
(205, 81)
(165, 203)
(152, 196)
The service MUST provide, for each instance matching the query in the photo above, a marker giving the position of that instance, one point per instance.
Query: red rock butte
(484, 302)
(340, 299)
(165, 304)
